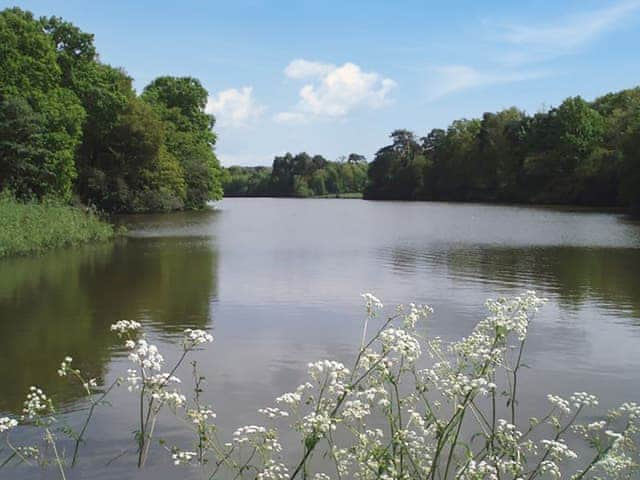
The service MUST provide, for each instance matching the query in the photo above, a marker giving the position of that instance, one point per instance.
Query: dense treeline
(300, 175)
(70, 124)
(581, 152)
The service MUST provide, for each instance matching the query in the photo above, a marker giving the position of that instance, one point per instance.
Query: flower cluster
(199, 416)
(7, 424)
(124, 327)
(372, 303)
(193, 338)
(181, 457)
(560, 403)
(145, 354)
(37, 404)
(584, 399)
(65, 367)
(271, 412)
(274, 471)
(390, 415)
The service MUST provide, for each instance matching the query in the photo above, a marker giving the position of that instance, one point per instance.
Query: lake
(278, 284)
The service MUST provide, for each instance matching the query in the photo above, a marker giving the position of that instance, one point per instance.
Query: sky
(334, 77)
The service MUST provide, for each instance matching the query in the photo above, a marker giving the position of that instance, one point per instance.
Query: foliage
(39, 121)
(577, 153)
(181, 102)
(72, 124)
(298, 175)
(391, 415)
(32, 227)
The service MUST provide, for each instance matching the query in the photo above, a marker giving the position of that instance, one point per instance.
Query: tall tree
(40, 122)
(181, 103)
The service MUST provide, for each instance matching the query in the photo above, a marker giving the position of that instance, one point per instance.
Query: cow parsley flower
(273, 471)
(273, 412)
(180, 457)
(558, 449)
(123, 327)
(37, 403)
(146, 355)
(195, 337)
(583, 399)
(201, 415)
(560, 403)
(65, 367)
(7, 424)
(372, 303)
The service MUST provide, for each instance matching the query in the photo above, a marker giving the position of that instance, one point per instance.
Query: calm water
(277, 281)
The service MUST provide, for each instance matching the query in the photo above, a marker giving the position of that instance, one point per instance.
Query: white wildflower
(372, 303)
(273, 412)
(146, 355)
(125, 326)
(583, 399)
(195, 337)
(558, 449)
(201, 415)
(273, 471)
(560, 403)
(65, 367)
(37, 403)
(7, 424)
(180, 457)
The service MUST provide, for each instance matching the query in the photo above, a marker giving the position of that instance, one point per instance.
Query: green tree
(40, 122)
(181, 103)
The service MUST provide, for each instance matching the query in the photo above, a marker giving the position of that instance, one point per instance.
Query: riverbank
(34, 227)
(352, 195)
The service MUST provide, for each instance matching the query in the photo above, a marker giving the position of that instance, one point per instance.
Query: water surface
(277, 281)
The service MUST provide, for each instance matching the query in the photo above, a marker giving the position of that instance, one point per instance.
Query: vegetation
(585, 153)
(387, 416)
(298, 175)
(31, 227)
(70, 124)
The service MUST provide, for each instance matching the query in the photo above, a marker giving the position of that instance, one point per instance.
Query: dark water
(278, 282)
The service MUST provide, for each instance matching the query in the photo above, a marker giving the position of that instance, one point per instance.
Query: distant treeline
(584, 153)
(300, 175)
(72, 125)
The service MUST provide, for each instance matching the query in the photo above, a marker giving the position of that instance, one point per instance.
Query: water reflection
(284, 277)
(63, 304)
(604, 276)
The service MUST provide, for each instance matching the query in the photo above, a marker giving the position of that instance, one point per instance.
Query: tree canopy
(300, 175)
(584, 153)
(70, 124)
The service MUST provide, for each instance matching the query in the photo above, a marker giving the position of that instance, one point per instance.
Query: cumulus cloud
(334, 91)
(234, 107)
(449, 79)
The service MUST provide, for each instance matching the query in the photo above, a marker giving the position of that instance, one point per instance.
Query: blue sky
(334, 77)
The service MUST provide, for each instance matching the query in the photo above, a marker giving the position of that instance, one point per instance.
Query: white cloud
(289, 117)
(335, 90)
(571, 34)
(449, 79)
(234, 108)
(301, 68)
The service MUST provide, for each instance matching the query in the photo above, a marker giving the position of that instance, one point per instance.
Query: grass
(34, 227)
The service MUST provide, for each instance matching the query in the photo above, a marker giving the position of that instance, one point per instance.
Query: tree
(181, 102)
(40, 122)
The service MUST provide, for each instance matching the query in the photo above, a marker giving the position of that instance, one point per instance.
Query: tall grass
(33, 227)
